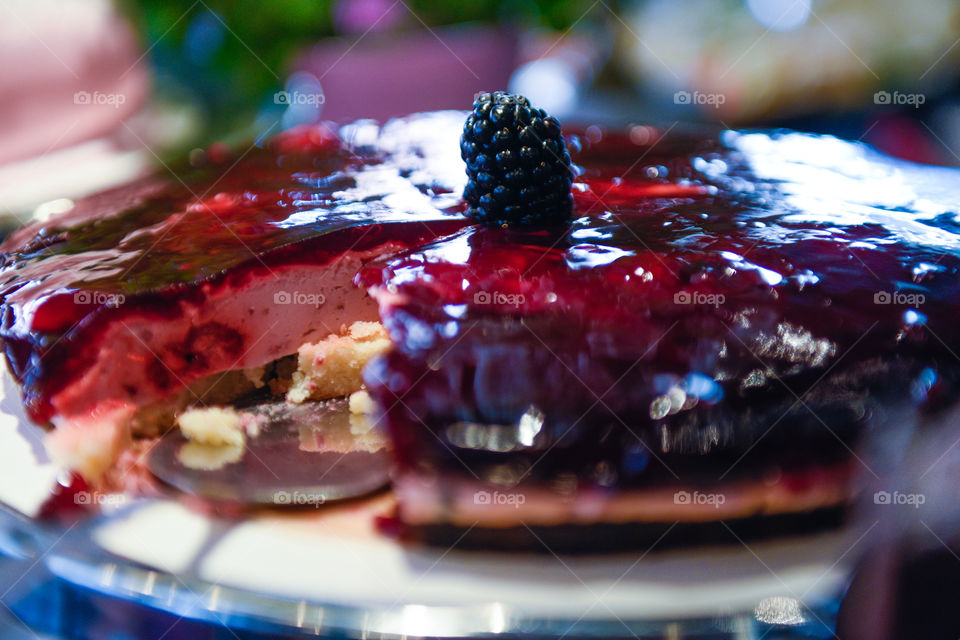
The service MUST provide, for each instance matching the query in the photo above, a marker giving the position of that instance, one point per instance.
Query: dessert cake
(136, 302)
(701, 337)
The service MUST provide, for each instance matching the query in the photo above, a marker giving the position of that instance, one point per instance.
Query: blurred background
(94, 91)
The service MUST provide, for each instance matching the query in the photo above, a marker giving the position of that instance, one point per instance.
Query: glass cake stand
(60, 583)
(160, 568)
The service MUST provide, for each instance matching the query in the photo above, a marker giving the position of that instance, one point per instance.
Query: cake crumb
(255, 376)
(362, 409)
(213, 426)
(208, 457)
(333, 366)
(252, 423)
(90, 445)
(361, 403)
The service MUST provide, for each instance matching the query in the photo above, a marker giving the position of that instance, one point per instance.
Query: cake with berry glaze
(698, 330)
(157, 288)
(704, 343)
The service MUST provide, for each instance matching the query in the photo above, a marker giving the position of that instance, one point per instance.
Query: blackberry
(517, 162)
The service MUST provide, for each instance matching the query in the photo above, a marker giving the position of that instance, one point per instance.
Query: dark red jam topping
(202, 221)
(717, 306)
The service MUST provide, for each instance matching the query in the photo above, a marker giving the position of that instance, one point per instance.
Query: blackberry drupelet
(517, 162)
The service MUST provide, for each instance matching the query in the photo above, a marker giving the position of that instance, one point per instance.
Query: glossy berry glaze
(721, 309)
(150, 254)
